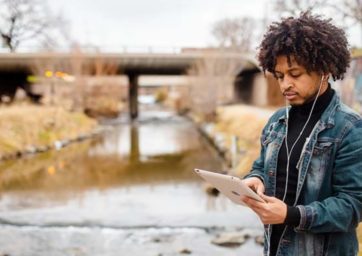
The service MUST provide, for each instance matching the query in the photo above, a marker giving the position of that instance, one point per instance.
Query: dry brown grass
(247, 123)
(103, 106)
(24, 126)
(359, 233)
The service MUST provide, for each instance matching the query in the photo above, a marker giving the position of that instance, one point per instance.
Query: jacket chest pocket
(321, 159)
(321, 155)
(269, 144)
(321, 148)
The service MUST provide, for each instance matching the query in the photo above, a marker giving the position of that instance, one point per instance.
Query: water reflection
(149, 139)
(134, 144)
(133, 178)
(154, 152)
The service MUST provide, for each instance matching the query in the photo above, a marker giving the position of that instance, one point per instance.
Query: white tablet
(230, 186)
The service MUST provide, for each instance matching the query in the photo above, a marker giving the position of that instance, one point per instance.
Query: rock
(259, 240)
(250, 232)
(208, 128)
(230, 239)
(220, 140)
(82, 137)
(156, 240)
(30, 149)
(185, 251)
(66, 142)
(58, 144)
(99, 130)
(41, 149)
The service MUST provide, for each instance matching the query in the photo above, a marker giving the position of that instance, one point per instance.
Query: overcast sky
(157, 23)
(160, 23)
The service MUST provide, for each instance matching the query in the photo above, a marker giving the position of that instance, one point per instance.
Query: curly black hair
(315, 43)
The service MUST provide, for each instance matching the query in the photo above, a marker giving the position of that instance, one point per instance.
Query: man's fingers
(252, 203)
(260, 190)
(267, 198)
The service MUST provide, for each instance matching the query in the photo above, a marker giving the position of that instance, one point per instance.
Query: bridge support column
(133, 95)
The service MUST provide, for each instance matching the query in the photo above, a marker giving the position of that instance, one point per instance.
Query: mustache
(287, 91)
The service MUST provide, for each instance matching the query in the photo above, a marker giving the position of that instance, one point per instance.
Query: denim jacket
(329, 188)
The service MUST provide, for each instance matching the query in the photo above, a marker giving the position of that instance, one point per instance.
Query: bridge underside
(19, 66)
(10, 81)
(14, 77)
(133, 75)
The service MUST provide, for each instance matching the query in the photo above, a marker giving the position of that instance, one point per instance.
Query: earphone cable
(289, 153)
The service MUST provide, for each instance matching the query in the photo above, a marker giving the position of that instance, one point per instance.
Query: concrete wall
(254, 88)
(259, 95)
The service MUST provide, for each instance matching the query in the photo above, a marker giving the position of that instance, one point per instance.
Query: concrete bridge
(14, 67)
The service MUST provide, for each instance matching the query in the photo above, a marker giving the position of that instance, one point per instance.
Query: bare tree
(235, 33)
(295, 7)
(351, 10)
(345, 9)
(28, 20)
(345, 13)
(324, 7)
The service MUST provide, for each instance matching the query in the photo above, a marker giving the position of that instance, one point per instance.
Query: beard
(300, 101)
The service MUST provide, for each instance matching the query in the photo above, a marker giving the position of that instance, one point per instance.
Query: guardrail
(107, 49)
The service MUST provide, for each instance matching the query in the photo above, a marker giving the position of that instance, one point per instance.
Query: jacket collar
(327, 118)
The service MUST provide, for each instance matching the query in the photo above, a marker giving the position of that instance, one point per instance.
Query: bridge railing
(106, 49)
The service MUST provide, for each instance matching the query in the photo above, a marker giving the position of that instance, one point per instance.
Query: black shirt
(298, 116)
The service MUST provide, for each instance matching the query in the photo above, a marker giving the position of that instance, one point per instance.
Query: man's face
(297, 86)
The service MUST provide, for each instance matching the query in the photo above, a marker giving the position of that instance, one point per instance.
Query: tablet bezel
(231, 186)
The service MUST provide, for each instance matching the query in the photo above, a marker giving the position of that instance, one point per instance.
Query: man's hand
(255, 184)
(274, 211)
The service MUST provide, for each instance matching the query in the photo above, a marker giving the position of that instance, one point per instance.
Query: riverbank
(246, 123)
(235, 134)
(131, 170)
(28, 129)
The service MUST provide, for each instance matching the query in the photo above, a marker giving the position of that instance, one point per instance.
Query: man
(310, 164)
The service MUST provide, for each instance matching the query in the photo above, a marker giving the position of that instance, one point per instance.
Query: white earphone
(268, 231)
(300, 134)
